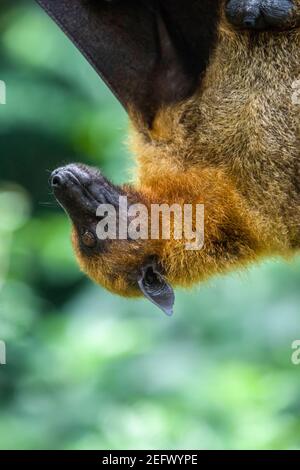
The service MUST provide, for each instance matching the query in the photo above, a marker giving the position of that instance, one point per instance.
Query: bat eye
(89, 239)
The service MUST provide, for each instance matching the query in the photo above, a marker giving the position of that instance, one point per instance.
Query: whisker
(48, 204)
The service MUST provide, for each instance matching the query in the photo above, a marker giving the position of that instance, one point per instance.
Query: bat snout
(61, 179)
(81, 190)
(259, 14)
(74, 189)
(73, 173)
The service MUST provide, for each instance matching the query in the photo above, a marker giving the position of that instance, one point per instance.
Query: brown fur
(234, 146)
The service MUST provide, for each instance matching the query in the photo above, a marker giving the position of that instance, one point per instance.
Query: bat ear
(155, 288)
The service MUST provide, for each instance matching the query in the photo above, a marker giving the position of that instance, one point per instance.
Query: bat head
(126, 267)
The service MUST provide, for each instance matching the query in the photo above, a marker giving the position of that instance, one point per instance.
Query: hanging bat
(210, 87)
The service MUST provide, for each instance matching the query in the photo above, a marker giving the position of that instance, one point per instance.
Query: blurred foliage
(87, 370)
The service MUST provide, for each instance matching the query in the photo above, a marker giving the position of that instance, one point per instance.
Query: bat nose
(56, 181)
(253, 20)
(58, 178)
(258, 14)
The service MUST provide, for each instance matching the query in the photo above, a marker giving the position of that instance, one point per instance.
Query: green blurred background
(86, 369)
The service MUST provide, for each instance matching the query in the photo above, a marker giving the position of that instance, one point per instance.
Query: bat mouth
(79, 190)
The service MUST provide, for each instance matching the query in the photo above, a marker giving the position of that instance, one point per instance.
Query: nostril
(56, 181)
(250, 21)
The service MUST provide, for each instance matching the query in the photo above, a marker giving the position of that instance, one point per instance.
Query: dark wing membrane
(194, 24)
(149, 52)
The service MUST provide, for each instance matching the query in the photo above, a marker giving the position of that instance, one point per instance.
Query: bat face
(129, 268)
